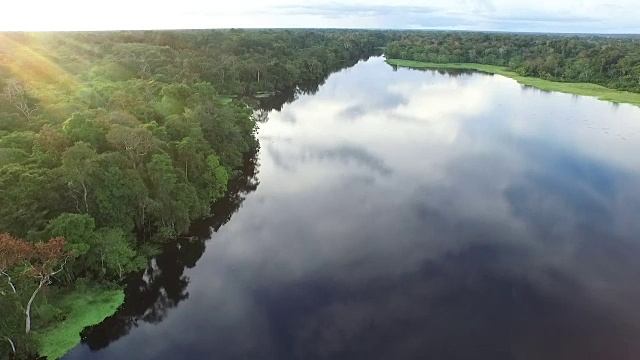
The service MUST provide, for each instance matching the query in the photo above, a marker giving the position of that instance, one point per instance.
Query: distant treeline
(613, 62)
(117, 141)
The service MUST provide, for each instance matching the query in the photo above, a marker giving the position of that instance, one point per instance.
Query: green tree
(81, 128)
(79, 163)
(136, 142)
(114, 250)
(77, 229)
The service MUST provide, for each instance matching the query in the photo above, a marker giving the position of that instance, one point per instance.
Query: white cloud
(519, 15)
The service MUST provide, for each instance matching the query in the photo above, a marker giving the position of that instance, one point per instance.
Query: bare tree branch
(16, 94)
(13, 346)
(9, 280)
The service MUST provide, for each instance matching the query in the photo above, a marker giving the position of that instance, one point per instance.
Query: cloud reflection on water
(451, 217)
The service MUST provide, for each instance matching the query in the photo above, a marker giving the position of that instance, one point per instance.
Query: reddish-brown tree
(12, 253)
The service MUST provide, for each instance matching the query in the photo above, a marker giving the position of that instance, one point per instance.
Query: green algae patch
(82, 309)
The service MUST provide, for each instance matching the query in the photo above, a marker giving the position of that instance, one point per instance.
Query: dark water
(409, 215)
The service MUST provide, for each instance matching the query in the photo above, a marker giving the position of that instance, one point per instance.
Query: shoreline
(85, 307)
(582, 89)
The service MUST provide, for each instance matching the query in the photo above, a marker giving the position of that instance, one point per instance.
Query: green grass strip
(583, 89)
(224, 100)
(84, 308)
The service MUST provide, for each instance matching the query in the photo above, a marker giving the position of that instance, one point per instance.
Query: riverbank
(582, 89)
(80, 309)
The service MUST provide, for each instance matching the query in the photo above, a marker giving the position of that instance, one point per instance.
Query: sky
(572, 16)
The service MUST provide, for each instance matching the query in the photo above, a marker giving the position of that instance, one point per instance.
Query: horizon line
(336, 28)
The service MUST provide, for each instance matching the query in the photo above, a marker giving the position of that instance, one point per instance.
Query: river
(405, 214)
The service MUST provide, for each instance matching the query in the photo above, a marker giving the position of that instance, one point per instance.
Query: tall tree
(78, 166)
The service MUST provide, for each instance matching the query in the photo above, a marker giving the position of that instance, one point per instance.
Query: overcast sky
(603, 16)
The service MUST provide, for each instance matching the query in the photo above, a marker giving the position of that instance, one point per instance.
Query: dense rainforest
(611, 62)
(112, 143)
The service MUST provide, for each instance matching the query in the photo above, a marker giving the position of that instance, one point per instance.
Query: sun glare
(22, 55)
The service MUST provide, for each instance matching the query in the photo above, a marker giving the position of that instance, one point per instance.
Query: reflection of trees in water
(261, 115)
(534, 89)
(454, 73)
(277, 101)
(162, 286)
(451, 72)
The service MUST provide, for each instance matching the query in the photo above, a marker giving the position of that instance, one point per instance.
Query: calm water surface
(408, 215)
